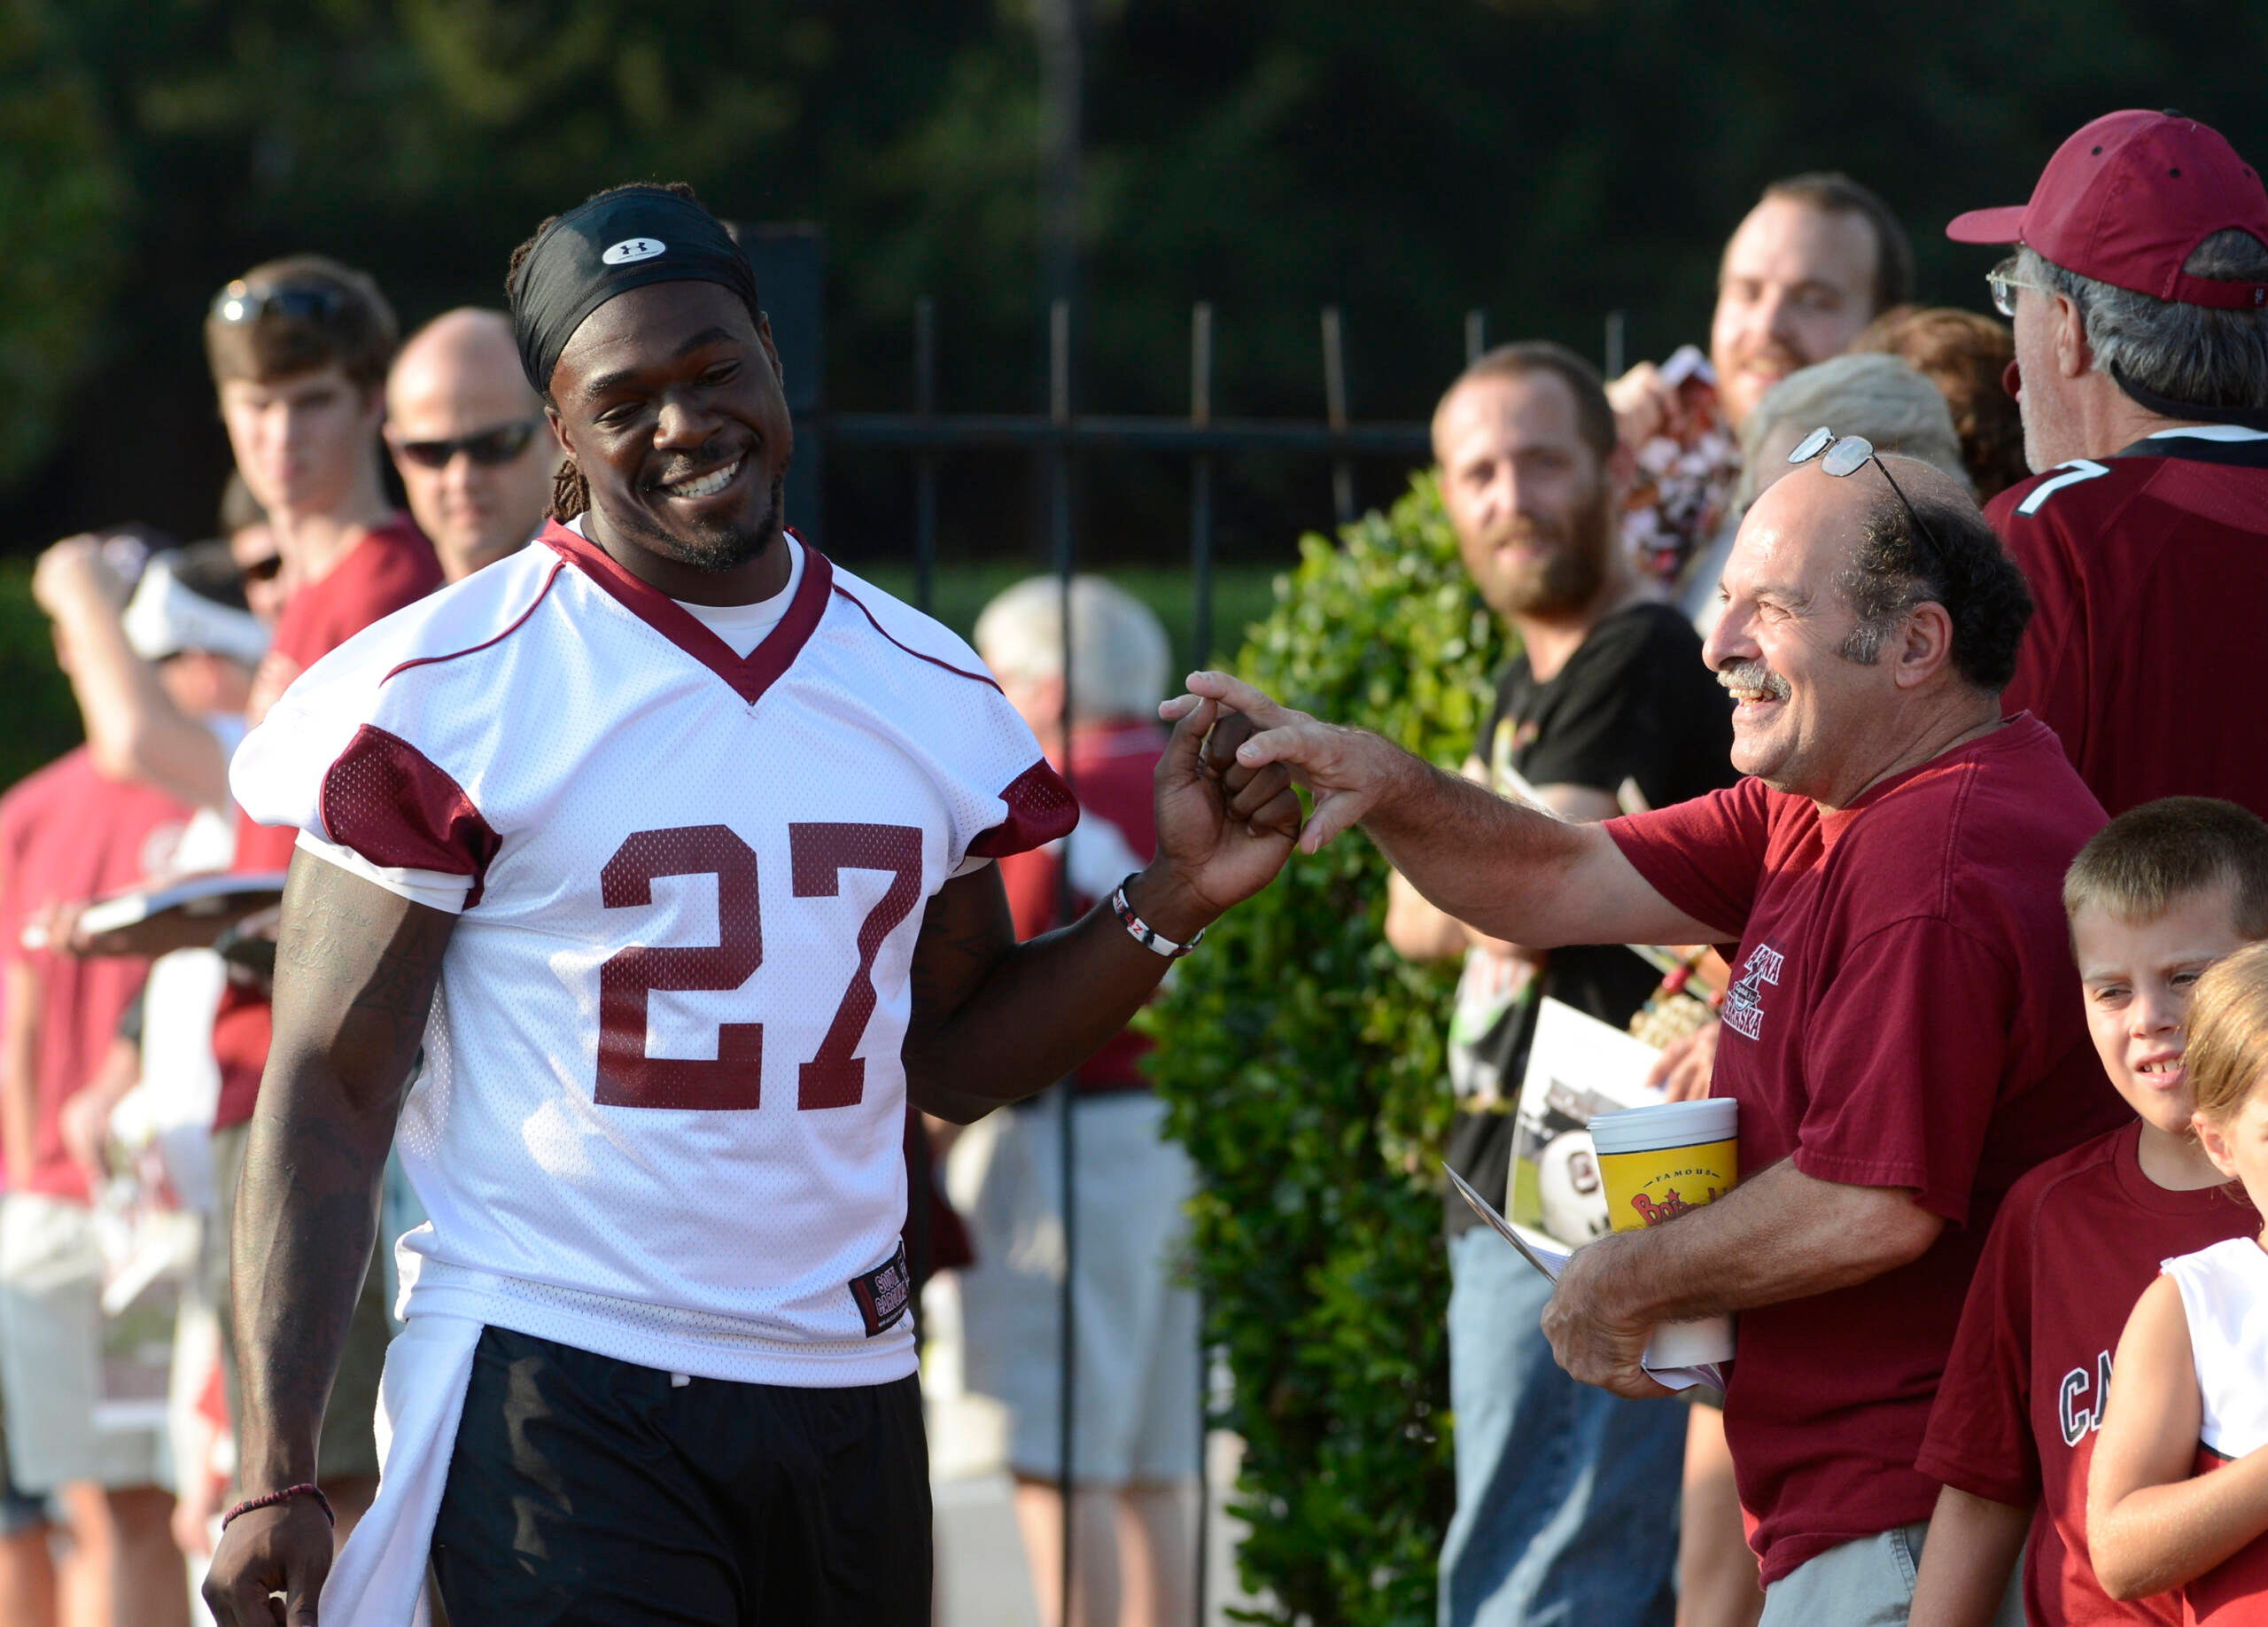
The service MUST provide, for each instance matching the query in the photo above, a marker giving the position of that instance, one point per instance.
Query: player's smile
(692, 487)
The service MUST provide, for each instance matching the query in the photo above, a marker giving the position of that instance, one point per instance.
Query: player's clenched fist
(284, 1549)
(1224, 826)
(1351, 771)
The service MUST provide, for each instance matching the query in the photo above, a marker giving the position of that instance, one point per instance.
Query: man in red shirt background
(2139, 294)
(1134, 1453)
(299, 349)
(68, 833)
(1904, 1038)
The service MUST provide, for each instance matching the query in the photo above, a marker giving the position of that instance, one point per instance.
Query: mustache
(1529, 529)
(1754, 675)
(712, 456)
(1771, 350)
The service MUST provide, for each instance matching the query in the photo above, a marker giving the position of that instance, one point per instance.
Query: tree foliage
(1548, 161)
(1302, 1060)
(61, 195)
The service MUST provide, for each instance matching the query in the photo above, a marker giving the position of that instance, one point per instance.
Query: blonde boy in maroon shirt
(2160, 893)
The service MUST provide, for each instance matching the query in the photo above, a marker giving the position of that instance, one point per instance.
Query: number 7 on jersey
(818, 854)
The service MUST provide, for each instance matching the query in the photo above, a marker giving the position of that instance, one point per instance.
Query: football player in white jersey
(670, 844)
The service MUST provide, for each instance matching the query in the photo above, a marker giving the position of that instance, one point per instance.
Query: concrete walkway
(982, 1579)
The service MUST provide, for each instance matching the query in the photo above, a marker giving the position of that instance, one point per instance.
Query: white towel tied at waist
(379, 1580)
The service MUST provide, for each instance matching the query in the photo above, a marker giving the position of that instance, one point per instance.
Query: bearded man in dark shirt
(1556, 1481)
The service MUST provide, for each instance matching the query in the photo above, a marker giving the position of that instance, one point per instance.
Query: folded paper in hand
(1540, 1252)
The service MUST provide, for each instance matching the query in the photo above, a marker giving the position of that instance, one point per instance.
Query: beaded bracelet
(306, 1487)
(1144, 933)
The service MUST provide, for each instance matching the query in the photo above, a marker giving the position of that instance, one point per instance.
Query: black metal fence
(789, 269)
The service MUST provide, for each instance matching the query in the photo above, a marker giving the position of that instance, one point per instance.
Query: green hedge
(1302, 1059)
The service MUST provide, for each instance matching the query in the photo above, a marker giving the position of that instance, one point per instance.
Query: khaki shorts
(1135, 1365)
(51, 1353)
(349, 1445)
(1868, 1582)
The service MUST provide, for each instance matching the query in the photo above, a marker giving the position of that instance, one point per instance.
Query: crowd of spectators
(1952, 861)
(1991, 830)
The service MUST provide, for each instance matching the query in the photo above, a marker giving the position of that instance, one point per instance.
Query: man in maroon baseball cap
(2139, 288)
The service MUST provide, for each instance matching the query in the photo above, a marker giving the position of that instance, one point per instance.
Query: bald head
(1893, 547)
(468, 438)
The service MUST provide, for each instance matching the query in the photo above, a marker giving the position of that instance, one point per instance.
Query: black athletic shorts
(583, 1489)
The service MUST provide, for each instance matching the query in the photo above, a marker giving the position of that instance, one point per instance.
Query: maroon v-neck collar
(749, 678)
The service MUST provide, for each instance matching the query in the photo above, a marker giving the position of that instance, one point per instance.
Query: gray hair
(2195, 354)
(1877, 396)
(1119, 648)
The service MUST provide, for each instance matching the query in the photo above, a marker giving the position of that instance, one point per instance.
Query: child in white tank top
(2178, 1491)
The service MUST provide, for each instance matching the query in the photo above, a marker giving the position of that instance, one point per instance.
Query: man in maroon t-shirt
(1904, 1038)
(68, 833)
(298, 349)
(2139, 288)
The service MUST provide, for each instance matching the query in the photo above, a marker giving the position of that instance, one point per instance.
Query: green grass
(42, 721)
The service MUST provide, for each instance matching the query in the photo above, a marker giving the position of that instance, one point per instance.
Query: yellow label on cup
(1646, 1188)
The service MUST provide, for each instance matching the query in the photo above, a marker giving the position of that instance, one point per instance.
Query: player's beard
(719, 548)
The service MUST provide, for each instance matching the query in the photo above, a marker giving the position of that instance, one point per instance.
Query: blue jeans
(1566, 1496)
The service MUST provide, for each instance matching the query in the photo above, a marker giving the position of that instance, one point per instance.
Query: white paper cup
(1656, 1164)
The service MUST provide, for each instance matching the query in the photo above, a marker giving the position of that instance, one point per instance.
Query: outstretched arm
(995, 1020)
(355, 970)
(1503, 868)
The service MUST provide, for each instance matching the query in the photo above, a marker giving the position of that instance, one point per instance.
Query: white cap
(164, 618)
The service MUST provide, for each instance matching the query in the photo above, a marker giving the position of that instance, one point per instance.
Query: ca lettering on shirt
(1744, 1009)
(2078, 1409)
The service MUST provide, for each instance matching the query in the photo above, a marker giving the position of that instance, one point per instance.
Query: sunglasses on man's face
(314, 302)
(487, 447)
(264, 570)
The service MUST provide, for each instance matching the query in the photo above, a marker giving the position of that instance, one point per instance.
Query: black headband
(617, 242)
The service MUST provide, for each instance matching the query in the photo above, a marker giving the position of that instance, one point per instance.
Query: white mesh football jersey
(662, 1110)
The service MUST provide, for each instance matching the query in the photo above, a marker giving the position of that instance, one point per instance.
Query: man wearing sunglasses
(2139, 288)
(469, 440)
(1904, 1037)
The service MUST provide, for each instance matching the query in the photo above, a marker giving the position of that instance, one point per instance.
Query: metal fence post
(925, 464)
(1058, 462)
(1476, 336)
(1334, 398)
(1618, 324)
(1200, 486)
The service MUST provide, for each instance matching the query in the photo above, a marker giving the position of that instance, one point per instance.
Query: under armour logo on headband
(619, 240)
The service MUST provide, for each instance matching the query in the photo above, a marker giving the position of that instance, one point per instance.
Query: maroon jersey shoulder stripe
(982, 678)
(517, 622)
